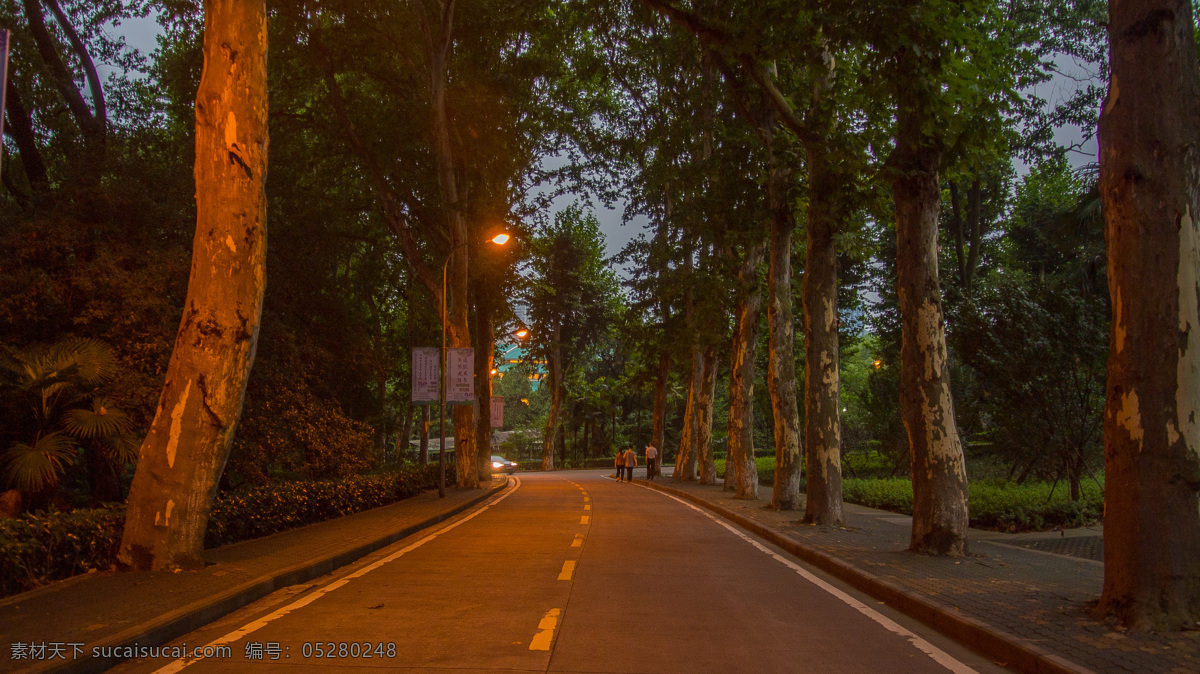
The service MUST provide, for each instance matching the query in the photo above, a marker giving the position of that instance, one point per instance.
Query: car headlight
(497, 464)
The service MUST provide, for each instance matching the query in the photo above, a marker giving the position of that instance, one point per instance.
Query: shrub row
(999, 505)
(994, 504)
(37, 548)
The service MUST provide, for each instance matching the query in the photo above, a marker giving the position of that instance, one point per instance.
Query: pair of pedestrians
(626, 461)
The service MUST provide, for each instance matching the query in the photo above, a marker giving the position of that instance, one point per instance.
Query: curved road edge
(987, 640)
(200, 613)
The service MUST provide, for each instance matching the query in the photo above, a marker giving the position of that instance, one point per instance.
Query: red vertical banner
(5, 37)
(497, 411)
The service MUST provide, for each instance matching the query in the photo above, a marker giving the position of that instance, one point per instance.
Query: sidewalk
(1021, 599)
(150, 608)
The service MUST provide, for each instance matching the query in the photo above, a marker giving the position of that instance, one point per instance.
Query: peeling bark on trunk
(552, 435)
(1150, 186)
(182, 457)
(781, 372)
(926, 406)
(741, 473)
(485, 337)
(708, 389)
(822, 402)
(685, 457)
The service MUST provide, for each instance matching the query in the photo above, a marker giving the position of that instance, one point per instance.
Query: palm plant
(62, 383)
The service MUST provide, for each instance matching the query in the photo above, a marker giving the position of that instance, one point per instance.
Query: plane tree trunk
(685, 458)
(822, 402)
(1150, 186)
(939, 475)
(184, 453)
(485, 356)
(781, 371)
(741, 473)
(708, 388)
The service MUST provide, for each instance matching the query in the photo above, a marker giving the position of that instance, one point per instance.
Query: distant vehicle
(499, 463)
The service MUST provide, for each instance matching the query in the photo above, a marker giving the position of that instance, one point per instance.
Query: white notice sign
(425, 374)
(460, 375)
(497, 411)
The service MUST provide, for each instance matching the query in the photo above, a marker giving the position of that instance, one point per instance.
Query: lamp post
(499, 240)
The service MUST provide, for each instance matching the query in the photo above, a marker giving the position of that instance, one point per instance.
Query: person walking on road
(620, 464)
(651, 461)
(630, 462)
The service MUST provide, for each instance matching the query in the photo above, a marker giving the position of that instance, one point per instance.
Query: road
(573, 572)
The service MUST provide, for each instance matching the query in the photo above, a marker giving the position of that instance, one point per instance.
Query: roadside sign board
(425, 375)
(460, 376)
(497, 411)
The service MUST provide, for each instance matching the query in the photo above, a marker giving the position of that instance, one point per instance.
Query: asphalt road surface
(573, 572)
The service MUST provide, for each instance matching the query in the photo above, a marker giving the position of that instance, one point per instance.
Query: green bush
(38, 548)
(256, 511)
(996, 504)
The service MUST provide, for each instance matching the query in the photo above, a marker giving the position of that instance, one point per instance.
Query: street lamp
(499, 240)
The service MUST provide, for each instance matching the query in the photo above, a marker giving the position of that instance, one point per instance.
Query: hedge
(998, 505)
(37, 548)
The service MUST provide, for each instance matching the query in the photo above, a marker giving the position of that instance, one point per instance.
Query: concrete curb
(200, 613)
(987, 640)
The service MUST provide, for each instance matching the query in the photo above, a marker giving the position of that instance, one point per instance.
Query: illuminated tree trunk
(741, 473)
(183, 455)
(552, 435)
(822, 402)
(1150, 186)
(685, 458)
(485, 355)
(708, 389)
(781, 371)
(938, 467)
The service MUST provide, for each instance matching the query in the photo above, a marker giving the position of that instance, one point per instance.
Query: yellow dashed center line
(541, 640)
(567, 570)
(587, 507)
(584, 519)
(578, 542)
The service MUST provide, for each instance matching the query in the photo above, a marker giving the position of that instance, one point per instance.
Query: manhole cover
(1084, 547)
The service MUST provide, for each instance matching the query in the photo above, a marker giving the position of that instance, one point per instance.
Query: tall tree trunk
(708, 389)
(552, 435)
(685, 458)
(938, 467)
(423, 456)
(822, 402)
(658, 431)
(1150, 186)
(741, 473)
(457, 327)
(485, 356)
(183, 455)
(781, 371)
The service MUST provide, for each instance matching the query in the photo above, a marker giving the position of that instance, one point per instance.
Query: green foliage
(256, 511)
(38, 548)
(54, 381)
(995, 504)
(42, 547)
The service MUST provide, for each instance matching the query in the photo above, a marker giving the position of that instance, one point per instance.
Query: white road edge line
(255, 625)
(939, 656)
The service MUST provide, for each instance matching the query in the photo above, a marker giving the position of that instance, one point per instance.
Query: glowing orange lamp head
(500, 239)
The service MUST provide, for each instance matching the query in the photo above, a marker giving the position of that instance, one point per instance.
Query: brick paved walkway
(1032, 594)
(106, 606)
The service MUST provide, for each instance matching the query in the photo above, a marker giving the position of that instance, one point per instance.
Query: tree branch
(397, 222)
